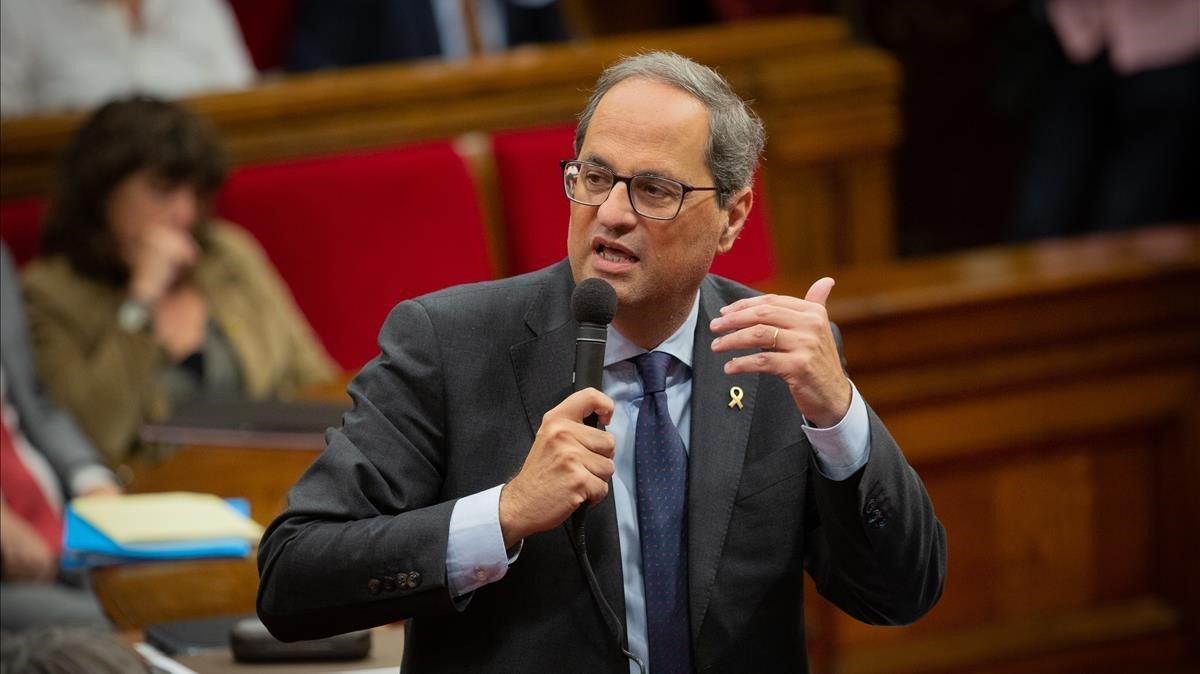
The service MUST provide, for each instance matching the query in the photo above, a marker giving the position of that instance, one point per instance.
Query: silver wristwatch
(133, 316)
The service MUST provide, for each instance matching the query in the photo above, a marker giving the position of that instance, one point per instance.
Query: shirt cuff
(89, 477)
(475, 554)
(845, 447)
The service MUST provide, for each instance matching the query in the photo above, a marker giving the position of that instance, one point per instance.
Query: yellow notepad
(165, 517)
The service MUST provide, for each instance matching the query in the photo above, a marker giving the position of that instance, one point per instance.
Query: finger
(755, 337)
(596, 441)
(759, 314)
(600, 466)
(769, 362)
(595, 489)
(819, 292)
(580, 404)
(760, 300)
(771, 316)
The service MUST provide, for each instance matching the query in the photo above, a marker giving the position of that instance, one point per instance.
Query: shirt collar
(679, 344)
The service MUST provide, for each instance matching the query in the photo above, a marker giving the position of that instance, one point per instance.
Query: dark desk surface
(387, 649)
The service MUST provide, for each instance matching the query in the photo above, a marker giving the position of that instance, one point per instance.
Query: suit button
(389, 584)
(373, 586)
(414, 579)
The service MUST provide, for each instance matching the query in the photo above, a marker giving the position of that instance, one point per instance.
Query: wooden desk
(387, 651)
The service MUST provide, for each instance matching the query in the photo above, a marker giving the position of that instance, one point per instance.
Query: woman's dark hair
(118, 140)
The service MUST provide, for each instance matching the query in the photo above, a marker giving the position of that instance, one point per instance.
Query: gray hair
(735, 133)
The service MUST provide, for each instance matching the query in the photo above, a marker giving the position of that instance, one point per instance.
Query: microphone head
(594, 301)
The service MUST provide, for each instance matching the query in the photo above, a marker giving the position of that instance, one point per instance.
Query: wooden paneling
(1048, 397)
(829, 107)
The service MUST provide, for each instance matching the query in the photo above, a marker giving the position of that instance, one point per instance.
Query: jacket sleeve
(106, 382)
(363, 539)
(876, 549)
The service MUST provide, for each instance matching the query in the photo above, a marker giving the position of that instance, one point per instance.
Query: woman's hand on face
(156, 257)
(179, 320)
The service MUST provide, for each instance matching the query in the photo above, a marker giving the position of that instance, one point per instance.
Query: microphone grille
(594, 301)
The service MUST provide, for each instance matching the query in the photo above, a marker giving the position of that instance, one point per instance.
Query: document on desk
(165, 517)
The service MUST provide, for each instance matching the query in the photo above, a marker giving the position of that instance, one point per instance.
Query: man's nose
(617, 211)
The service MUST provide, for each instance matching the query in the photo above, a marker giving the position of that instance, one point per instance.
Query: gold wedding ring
(774, 339)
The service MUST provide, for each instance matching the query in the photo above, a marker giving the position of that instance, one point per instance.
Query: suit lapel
(543, 366)
(715, 453)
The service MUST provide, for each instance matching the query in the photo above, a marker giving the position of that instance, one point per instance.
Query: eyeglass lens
(652, 197)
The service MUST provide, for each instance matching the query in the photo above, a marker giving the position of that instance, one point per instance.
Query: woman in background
(140, 300)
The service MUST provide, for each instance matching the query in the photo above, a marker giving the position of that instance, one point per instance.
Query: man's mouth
(614, 254)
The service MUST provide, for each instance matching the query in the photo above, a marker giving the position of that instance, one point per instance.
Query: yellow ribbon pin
(735, 397)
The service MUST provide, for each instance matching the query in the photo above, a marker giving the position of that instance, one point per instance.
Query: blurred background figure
(44, 459)
(336, 35)
(140, 300)
(66, 54)
(1116, 132)
(66, 651)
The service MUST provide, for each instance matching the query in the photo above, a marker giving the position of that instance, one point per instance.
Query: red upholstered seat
(20, 226)
(354, 234)
(536, 211)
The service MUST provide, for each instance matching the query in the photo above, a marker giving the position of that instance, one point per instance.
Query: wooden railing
(830, 108)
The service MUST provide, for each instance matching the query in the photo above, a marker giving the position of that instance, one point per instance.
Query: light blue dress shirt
(475, 554)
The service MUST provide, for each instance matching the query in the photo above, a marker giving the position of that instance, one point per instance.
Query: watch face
(133, 316)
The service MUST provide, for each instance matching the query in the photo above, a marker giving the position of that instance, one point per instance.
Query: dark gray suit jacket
(47, 427)
(450, 408)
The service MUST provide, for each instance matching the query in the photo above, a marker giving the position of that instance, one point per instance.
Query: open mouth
(614, 254)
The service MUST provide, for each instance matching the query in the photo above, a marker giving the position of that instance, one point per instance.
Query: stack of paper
(178, 525)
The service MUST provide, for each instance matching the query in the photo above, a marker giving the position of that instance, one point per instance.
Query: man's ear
(737, 210)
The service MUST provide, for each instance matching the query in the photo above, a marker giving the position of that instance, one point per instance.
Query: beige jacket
(109, 378)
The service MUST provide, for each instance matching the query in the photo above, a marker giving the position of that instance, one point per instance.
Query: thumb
(819, 292)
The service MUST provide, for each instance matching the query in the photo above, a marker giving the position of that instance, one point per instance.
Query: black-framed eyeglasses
(653, 197)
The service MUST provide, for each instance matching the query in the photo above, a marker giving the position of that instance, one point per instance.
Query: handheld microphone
(594, 303)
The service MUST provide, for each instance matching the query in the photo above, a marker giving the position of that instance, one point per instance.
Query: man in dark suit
(728, 466)
(45, 457)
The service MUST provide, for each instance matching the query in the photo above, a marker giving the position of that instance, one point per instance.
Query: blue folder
(86, 546)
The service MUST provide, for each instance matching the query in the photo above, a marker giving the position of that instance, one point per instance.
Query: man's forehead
(645, 126)
(641, 95)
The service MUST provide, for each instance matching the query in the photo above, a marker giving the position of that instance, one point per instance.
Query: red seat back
(531, 195)
(21, 226)
(536, 211)
(354, 234)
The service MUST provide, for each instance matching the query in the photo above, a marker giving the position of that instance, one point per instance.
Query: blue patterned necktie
(661, 465)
